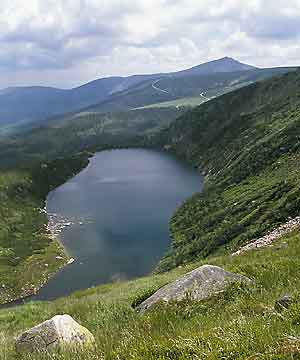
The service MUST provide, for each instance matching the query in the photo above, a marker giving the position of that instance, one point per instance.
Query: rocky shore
(57, 223)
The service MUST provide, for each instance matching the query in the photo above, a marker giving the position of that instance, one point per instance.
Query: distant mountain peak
(227, 58)
(224, 64)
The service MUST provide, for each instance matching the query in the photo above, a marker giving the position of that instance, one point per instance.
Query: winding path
(157, 88)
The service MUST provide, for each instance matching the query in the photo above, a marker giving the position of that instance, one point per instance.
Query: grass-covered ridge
(238, 324)
(27, 251)
(248, 144)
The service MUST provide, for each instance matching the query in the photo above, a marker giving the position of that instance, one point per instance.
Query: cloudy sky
(68, 42)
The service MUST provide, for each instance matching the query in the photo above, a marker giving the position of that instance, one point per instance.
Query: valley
(243, 137)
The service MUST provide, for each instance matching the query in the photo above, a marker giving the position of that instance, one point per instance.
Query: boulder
(198, 284)
(61, 330)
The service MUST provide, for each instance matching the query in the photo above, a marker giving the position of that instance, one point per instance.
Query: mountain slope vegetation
(247, 143)
(82, 131)
(28, 255)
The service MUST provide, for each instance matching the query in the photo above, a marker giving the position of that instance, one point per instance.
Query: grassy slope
(25, 245)
(248, 144)
(239, 324)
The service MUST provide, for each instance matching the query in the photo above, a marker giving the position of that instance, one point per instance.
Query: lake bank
(116, 216)
(151, 182)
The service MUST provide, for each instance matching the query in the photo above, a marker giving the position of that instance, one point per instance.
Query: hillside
(20, 106)
(27, 104)
(86, 130)
(179, 87)
(25, 244)
(247, 144)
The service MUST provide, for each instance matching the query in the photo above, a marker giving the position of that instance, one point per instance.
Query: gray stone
(61, 330)
(198, 284)
(283, 302)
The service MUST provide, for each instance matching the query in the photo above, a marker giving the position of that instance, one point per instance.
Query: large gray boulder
(61, 330)
(198, 284)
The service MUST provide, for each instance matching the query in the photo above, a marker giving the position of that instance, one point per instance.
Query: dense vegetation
(76, 132)
(27, 252)
(248, 144)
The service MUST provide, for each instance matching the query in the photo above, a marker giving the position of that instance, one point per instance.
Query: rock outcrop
(61, 330)
(198, 284)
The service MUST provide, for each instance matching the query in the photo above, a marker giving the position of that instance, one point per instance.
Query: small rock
(199, 284)
(61, 330)
(283, 302)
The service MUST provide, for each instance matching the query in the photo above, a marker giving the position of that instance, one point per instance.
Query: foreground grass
(239, 324)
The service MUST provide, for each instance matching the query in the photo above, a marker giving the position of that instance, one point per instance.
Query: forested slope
(248, 144)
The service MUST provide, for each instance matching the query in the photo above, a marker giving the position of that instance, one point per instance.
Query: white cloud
(66, 42)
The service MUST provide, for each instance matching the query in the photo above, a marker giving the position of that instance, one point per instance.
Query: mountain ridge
(33, 103)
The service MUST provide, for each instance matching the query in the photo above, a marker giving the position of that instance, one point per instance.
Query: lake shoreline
(56, 225)
(56, 246)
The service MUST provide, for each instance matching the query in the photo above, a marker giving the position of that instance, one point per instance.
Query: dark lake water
(122, 203)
